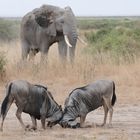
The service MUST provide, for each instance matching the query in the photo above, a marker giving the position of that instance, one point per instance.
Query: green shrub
(98, 23)
(120, 42)
(9, 29)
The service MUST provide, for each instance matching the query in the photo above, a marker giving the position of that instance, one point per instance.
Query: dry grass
(58, 77)
(61, 80)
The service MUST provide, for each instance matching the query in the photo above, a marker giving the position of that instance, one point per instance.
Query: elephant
(46, 25)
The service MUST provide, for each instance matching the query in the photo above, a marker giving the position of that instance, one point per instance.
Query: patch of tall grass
(9, 29)
(120, 41)
(2, 66)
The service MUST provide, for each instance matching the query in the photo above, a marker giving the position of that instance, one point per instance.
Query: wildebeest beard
(54, 113)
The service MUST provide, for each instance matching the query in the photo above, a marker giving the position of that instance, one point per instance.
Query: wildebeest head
(55, 118)
(55, 112)
(69, 124)
(69, 116)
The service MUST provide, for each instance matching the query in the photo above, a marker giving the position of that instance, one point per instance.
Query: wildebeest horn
(67, 41)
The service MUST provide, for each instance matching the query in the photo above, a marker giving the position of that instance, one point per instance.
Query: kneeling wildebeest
(35, 100)
(83, 100)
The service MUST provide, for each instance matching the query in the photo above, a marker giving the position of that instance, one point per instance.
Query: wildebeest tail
(6, 100)
(114, 95)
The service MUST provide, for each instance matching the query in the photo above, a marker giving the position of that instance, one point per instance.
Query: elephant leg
(25, 50)
(44, 54)
(62, 48)
(32, 53)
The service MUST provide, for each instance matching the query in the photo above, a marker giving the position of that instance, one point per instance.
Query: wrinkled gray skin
(35, 100)
(46, 25)
(83, 100)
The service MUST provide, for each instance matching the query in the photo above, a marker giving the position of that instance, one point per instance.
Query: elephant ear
(42, 21)
(45, 21)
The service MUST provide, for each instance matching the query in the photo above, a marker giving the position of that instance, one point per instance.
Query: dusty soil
(126, 123)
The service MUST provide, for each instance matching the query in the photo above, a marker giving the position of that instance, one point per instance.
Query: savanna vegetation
(113, 52)
(9, 29)
(110, 40)
(116, 38)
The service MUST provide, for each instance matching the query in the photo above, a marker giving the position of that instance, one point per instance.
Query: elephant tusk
(67, 41)
(82, 41)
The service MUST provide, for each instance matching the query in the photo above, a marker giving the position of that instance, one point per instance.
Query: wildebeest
(85, 99)
(35, 100)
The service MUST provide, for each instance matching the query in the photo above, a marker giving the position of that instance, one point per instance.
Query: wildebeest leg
(25, 49)
(18, 114)
(105, 113)
(43, 122)
(34, 124)
(110, 109)
(82, 120)
(32, 54)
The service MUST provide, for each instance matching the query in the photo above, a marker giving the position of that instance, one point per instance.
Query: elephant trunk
(69, 28)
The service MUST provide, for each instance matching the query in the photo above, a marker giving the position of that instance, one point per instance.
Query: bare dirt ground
(60, 81)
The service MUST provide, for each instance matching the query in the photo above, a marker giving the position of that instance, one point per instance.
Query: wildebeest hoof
(30, 128)
(49, 124)
(64, 124)
(75, 126)
(101, 125)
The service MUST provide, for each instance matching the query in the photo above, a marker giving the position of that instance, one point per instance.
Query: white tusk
(82, 41)
(67, 41)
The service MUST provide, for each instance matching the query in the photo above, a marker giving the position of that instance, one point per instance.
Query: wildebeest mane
(41, 86)
(48, 93)
(82, 88)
